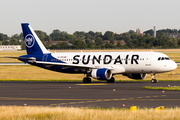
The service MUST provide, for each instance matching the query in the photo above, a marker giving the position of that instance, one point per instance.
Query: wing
(63, 64)
(66, 65)
(49, 64)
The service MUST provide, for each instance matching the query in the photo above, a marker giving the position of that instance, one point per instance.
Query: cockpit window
(163, 58)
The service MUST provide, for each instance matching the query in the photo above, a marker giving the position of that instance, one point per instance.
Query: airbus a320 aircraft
(98, 65)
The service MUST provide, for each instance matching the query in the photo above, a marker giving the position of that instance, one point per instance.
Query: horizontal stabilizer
(29, 59)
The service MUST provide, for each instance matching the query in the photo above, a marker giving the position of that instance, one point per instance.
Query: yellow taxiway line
(11, 98)
(93, 84)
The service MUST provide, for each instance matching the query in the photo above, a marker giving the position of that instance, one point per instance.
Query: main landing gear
(153, 78)
(111, 80)
(87, 80)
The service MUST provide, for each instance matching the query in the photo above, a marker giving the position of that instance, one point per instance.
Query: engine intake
(101, 74)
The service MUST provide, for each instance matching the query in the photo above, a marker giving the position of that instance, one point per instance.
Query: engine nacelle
(101, 74)
(137, 76)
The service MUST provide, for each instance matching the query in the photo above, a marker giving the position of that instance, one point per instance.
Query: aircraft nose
(173, 65)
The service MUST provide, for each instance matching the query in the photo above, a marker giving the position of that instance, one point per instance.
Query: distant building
(115, 42)
(67, 43)
(93, 41)
(138, 31)
(106, 41)
(56, 42)
(10, 47)
(122, 42)
(173, 35)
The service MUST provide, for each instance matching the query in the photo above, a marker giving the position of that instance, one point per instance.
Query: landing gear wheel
(111, 80)
(153, 81)
(153, 78)
(86, 80)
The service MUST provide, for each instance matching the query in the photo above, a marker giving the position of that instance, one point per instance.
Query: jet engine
(136, 76)
(101, 74)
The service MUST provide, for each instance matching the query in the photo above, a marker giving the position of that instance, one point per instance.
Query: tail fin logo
(29, 40)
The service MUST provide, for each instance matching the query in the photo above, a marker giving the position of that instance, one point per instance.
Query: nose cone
(173, 65)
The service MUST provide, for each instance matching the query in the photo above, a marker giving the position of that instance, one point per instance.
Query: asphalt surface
(96, 94)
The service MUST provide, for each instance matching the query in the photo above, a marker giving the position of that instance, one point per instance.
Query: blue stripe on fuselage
(49, 58)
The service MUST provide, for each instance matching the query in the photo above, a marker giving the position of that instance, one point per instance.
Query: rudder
(32, 42)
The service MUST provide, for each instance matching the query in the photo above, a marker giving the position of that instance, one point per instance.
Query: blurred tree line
(96, 40)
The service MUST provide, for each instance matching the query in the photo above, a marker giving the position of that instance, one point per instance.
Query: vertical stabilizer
(32, 42)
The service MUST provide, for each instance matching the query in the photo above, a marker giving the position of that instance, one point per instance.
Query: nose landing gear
(153, 78)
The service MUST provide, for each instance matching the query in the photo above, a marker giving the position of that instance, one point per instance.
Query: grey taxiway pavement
(96, 94)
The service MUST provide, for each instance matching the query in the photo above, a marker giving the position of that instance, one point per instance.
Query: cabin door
(148, 60)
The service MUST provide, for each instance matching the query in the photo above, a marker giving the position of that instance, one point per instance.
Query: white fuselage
(120, 62)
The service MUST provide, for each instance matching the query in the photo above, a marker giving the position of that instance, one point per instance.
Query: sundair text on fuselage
(106, 59)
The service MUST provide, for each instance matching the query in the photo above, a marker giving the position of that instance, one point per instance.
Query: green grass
(177, 88)
(71, 113)
(174, 56)
(33, 73)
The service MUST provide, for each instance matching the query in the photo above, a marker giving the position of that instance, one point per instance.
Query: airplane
(98, 65)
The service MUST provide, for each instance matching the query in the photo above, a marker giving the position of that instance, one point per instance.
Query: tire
(89, 80)
(111, 80)
(86, 80)
(153, 81)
